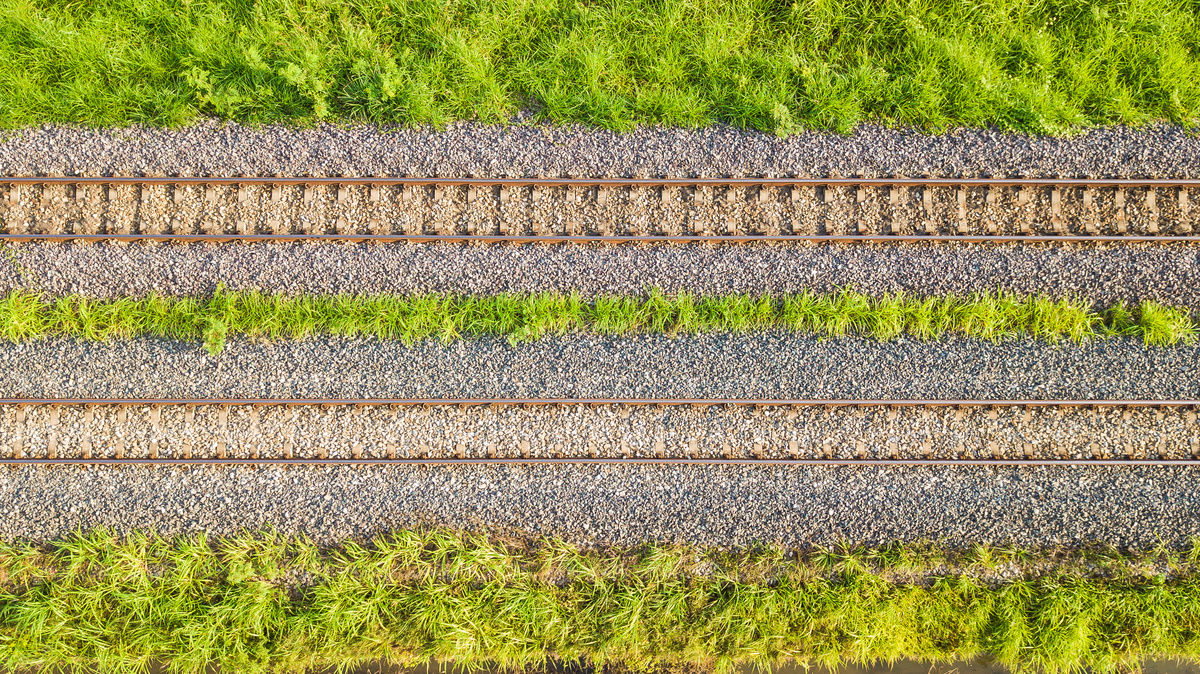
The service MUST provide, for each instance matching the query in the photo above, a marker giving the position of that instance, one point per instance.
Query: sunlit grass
(267, 603)
(1041, 66)
(987, 316)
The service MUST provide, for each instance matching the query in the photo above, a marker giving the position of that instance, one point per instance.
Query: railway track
(601, 431)
(595, 209)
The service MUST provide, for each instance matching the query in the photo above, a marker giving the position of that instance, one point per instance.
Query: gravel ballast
(608, 431)
(541, 150)
(775, 364)
(625, 504)
(716, 506)
(1104, 274)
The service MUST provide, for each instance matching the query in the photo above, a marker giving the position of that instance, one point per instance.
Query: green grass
(1033, 65)
(267, 603)
(26, 316)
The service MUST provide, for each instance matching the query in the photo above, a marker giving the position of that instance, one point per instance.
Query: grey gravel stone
(1104, 274)
(529, 150)
(774, 365)
(717, 506)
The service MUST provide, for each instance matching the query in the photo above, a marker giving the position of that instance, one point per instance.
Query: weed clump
(986, 316)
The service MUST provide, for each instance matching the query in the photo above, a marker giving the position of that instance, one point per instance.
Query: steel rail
(484, 461)
(742, 402)
(488, 238)
(602, 182)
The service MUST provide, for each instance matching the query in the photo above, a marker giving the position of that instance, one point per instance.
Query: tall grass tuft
(23, 316)
(1162, 325)
(518, 318)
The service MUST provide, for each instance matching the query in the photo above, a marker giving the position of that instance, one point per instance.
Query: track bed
(811, 432)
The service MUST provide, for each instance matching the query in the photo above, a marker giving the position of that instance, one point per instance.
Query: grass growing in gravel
(266, 604)
(25, 316)
(1033, 65)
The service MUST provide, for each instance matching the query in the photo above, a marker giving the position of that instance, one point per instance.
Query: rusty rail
(605, 182)
(484, 461)
(761, 402)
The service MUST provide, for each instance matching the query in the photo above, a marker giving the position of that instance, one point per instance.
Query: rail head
(699, 402)
(604, 461)
(602, 182)
(528, 239)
